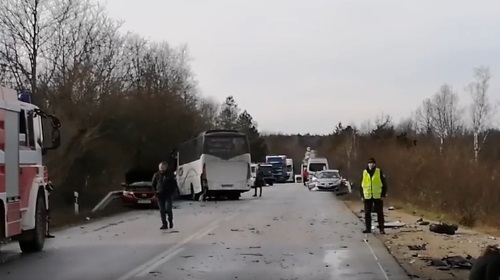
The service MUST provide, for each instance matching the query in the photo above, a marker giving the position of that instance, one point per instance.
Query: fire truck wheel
(37, 236)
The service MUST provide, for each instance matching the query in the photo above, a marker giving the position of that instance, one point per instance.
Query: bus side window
(31, 130)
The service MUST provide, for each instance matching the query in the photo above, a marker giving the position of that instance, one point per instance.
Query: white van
(317, 164)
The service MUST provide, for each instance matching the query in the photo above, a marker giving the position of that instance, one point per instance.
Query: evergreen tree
(258, 147)
(229, 114)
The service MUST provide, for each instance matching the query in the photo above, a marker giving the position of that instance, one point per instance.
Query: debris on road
(252, 254)
(417, 247)
(457, 245)
(443, 228)
(395, 224)
(450, 262)
(421, 222)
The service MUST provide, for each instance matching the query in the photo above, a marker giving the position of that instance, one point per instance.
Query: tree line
(123, 101)
(444, 157)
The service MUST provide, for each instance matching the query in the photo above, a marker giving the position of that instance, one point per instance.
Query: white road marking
(231, 216)
(376, 259)
(145, 268)
(161, 261)
(155, 262)
(206, 232)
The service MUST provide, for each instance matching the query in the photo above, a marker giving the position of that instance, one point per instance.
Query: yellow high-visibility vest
(372, 185)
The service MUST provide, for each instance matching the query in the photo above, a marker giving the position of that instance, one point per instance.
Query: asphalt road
(289, 233)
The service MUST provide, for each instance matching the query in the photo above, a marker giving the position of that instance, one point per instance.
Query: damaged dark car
(138, 189)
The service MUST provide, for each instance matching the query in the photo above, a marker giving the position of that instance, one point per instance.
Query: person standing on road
(373, 189)
(259, 181)
(164, 184)
(487, 266)
(304, 176)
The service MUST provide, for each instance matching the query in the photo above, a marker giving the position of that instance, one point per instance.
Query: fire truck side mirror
(55, 141)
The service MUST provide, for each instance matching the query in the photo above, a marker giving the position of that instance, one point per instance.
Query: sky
(302, 66)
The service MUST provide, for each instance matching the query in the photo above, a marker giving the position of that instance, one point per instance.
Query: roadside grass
(66, 217)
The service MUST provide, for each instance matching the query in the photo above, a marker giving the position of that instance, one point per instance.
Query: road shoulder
(464, 242)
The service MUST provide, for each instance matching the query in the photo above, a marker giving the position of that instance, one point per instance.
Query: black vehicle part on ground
(443, 228)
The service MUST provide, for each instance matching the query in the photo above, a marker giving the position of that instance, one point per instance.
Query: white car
(329, 180)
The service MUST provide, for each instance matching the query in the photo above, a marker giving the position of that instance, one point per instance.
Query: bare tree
(209, 110)
(366, 127)
(26, 27)
(442, 114)
(350, 145)
(407, 125)
(382, 120)
(481, 109)
(424, 117)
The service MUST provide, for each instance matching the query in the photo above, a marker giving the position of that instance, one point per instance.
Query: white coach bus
(215, 163)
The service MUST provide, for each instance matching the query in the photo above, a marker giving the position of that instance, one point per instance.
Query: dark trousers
(372, 205)
(165, 202)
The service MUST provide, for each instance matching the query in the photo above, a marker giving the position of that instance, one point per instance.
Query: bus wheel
(36, 239)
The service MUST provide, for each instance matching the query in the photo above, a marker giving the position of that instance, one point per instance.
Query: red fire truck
(24, 179)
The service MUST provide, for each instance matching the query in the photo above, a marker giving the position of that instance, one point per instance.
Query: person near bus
(487, 266)
(373, 190)
(164, 184)
(49, 187)
(305, 174)
(259, 181)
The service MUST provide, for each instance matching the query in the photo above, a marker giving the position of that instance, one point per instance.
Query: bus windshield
(226, 147)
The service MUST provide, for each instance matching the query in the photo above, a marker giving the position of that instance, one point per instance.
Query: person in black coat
(259, 181)
(487, 266)
(164, 184)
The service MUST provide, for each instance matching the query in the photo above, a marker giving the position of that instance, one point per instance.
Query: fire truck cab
(24, 179)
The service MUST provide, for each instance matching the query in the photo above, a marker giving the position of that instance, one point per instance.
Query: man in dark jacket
(259, 181)
(164, 184)
(373, 189)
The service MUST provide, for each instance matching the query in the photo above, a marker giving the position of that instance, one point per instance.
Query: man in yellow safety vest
(373, 189)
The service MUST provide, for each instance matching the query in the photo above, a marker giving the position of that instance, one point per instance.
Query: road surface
(289, 233)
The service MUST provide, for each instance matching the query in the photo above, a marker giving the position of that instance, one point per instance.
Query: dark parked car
(138, 189)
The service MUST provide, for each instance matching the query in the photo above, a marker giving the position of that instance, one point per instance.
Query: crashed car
(138, 189)
(329, 180)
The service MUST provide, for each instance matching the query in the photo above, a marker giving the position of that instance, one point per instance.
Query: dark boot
(171, 224)
(164, 226)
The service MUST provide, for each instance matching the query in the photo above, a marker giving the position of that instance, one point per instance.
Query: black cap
(371, 160)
